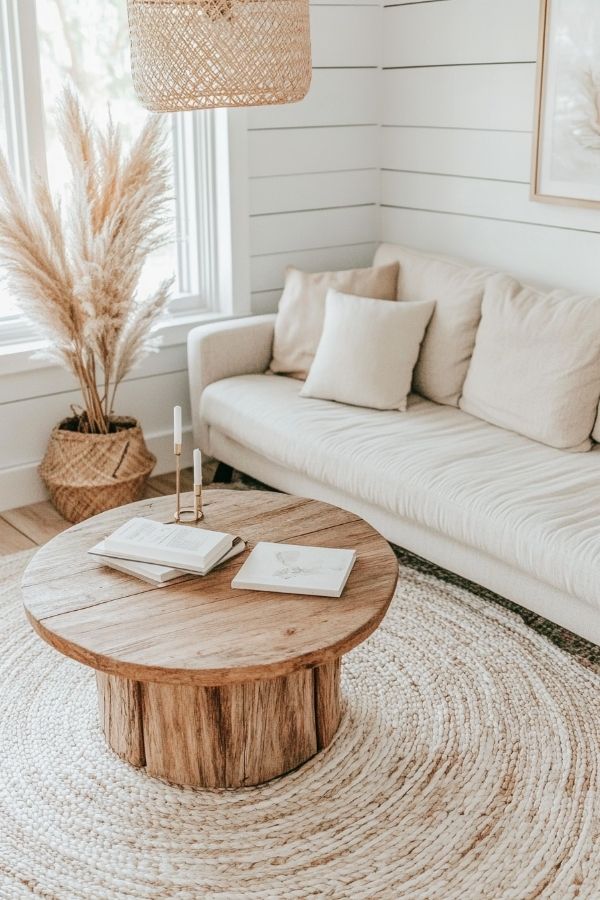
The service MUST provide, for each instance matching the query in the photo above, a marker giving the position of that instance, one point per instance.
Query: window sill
(19, 357)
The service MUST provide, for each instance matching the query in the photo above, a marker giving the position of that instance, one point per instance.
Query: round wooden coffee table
(202, 684)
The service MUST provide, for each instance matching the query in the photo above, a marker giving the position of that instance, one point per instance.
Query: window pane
(7, 307)
(3, 131)
(88, 44)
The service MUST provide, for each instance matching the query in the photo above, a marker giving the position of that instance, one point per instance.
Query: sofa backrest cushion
(367, 351)
(301, 312)
(457, 289)
(536, 364)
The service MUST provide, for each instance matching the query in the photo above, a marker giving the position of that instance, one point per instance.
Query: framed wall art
(566, 146)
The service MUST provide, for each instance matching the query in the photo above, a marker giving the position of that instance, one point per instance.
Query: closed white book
(195, 550)
(294, 569)
(153, 573)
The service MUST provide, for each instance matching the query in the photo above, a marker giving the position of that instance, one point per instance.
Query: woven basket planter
(89, 473)
(196, 54)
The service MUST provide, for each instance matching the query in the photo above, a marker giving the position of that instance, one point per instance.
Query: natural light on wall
(52, 42)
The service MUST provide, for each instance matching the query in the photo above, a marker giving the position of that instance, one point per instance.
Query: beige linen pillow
(457, 289)
(367, 351)
(536, 364)
(299, 321)
(596, 431)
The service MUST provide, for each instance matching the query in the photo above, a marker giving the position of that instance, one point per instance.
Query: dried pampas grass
(74, 271)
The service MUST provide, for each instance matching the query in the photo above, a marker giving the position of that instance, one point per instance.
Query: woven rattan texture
(214, 53)
(88, 473)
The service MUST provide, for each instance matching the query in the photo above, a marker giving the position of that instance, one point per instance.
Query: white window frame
(210, 186)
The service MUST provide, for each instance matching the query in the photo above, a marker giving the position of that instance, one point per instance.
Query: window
(3, 131)
(87, 45)
(45, 44)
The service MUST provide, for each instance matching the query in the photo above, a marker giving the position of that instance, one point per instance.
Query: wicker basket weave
(196, 54)
(88, 473)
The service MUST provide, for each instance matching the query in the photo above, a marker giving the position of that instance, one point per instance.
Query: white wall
(33, 400)
(458, 100)
(314, 165)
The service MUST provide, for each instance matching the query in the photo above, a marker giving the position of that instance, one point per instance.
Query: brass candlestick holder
(198, 511)
(187, 514)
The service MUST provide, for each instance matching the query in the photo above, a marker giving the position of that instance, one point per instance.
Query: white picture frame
(566, 145)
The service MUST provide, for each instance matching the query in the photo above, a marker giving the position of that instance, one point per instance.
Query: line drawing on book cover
(292, 569)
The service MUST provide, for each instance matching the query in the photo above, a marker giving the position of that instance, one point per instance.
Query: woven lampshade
(195, 54)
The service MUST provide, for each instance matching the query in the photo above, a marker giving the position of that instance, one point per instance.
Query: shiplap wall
(314, 165)
(423, 105)
(313, 193)
(33, 401)
(458, 87)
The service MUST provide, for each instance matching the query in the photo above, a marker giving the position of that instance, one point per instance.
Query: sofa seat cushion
(529, 505)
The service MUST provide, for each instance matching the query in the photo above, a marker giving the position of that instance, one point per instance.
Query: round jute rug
(466, 766)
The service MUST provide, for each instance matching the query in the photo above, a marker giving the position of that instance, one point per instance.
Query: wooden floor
(31, 526)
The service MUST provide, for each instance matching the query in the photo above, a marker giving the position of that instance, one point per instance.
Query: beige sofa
(513, 515)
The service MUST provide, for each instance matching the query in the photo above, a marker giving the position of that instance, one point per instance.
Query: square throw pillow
(596, 431)
(457, 289)
(536, 364)
(299, 321)
(367, 351)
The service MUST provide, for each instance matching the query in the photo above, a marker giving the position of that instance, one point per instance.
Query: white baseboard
(21, 485)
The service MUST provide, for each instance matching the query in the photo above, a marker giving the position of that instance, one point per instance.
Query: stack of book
(161, 553)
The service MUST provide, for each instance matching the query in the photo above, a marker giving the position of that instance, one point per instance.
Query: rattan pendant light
(195, 54)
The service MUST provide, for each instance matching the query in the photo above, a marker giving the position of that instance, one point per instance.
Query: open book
(153, 572)
(194, 550)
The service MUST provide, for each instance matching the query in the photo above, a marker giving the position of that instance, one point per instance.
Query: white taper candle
(177, 426)
(197, 467)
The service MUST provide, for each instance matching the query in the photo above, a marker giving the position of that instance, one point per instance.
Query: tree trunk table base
(228, 736)
(200, 683)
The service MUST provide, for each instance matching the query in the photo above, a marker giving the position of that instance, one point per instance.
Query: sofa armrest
(222, 350)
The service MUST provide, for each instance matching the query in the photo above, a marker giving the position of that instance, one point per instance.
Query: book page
(147, 533)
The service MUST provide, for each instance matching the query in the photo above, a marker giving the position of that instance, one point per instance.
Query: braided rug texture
(466, 766)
